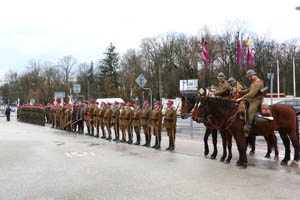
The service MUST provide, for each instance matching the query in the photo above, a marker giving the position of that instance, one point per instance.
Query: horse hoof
(276, 158)
(251, 153)
(213, 157)
(238, 164)
(222, 159)
(294, 164)
(284, 163)
(227, 161)
(267, 156)
(205, 153)
(243, 166)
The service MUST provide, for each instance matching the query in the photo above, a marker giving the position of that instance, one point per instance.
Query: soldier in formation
(156, 119)
(122, 122)
(128, 122)
(136, 122)
(146, 123)
(107, 120)
(170, 124)
(115, 121)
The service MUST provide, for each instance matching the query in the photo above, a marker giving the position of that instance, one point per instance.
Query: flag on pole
(70, 99)
(239, 51)
(205, 53)
(249, 55)
(62, 102)
(55, 100)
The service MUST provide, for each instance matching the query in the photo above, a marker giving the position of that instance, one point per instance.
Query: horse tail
(297, 127)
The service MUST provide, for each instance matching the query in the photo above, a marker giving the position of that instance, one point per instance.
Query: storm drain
(73, 154)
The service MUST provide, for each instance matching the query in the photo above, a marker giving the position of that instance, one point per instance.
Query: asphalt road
(38, 163)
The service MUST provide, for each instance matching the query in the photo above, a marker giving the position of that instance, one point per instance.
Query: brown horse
(188, 103)
(224, 112)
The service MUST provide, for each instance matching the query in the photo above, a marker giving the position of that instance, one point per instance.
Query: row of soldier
(122, 119)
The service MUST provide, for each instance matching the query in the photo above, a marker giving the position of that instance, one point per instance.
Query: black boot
(156, 142)
(146, 140)
(149, 140)
(169, 144)
(115, 139)
(130, 139)
(109, 135)
(138, 139)
(248, 127)
(88, 128)
(103, 133)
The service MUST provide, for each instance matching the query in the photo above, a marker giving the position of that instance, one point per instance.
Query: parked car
(295, 103)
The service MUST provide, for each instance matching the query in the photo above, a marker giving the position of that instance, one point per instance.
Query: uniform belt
(169, 120)
(145, 117)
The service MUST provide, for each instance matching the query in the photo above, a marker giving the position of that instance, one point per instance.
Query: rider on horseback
(224, 88)
(253, 96)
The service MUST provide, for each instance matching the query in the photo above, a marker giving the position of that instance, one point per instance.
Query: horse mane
(192, 99)
(227, 104)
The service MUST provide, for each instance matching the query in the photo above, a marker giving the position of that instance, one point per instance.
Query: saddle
(262, 114)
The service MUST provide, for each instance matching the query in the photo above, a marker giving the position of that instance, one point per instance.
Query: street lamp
(278, 85)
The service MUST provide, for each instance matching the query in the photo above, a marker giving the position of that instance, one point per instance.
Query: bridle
(185, 106)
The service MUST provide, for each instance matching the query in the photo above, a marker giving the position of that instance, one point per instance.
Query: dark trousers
(8, 118)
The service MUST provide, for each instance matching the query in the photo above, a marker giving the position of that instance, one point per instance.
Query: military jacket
(223, 90)
(122, 117)
(128, 117)
(253, 92)
(156, 117)
(107, 115)
(170, 118)
(115, 115)
(136, 119)
(145, 117)
(101, 114)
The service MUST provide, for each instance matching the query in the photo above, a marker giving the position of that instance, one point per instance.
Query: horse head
(187, 103)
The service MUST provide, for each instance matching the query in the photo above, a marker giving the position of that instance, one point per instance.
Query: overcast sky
(50, 29)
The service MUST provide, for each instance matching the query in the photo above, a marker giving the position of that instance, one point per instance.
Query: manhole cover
(79, 154)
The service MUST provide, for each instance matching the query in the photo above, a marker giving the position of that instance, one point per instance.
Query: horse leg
(215, 139)
(207, 133)
(224, 138)
(295, 143)
(241, 143)
(252, 140)
(268, 140)
(229, 145)
(274, 141)
(286, 143)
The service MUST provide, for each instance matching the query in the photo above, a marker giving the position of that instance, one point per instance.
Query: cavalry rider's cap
(86, 102)
(103, 103)
(109, 104)
(146, 102)
(128, 104)
(221, 75)
(123, 104)
(250, 72)
(157, 103)
(231, 80)
(170, 102)
(116, 102)
(137, 103)
(97, 103)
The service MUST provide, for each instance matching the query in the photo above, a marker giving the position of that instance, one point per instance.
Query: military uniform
(136, 123)
(122, 123)
(87, 117)
(170, 124)
(107, 120)
(115, 121)
(156, 119)
(146, 123)
(94, 110)
(101, 119)
(254, 97)
(223, 91)
(81, 119)
(128, 122)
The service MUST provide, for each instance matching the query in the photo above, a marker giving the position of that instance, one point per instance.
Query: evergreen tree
(109, 67)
